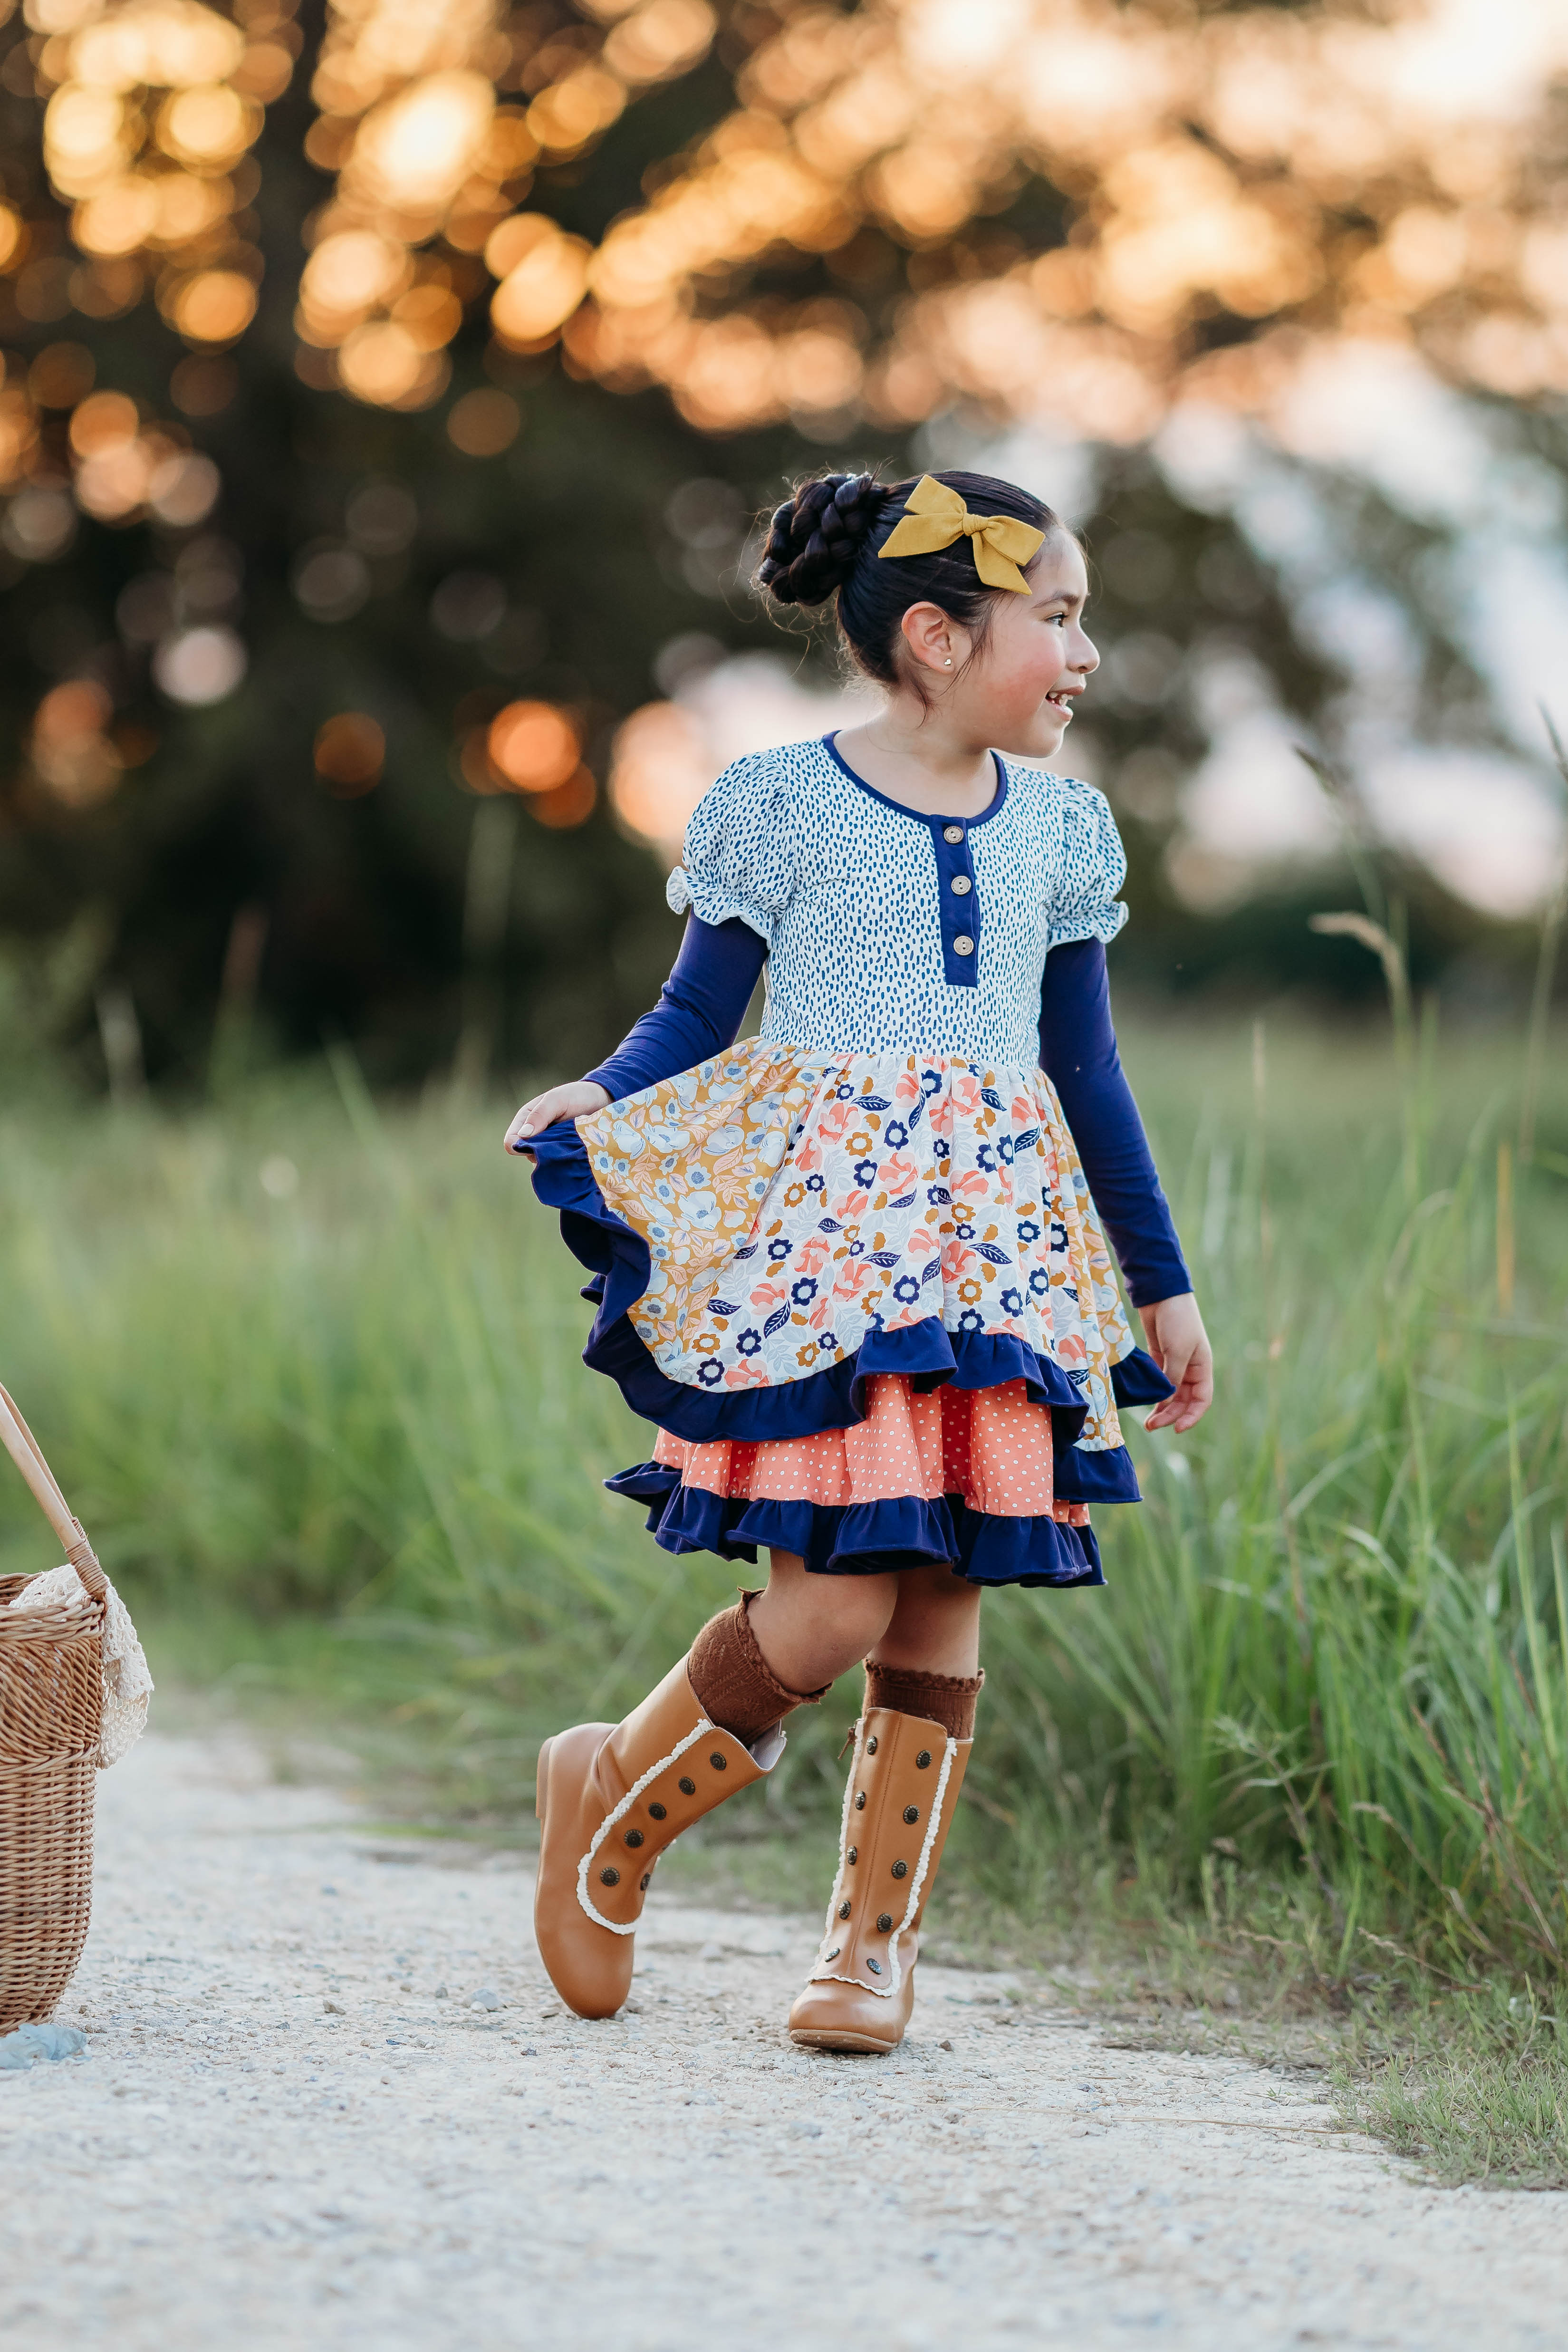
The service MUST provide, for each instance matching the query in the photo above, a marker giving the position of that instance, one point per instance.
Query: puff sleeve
(1093, 868)
(739, 860)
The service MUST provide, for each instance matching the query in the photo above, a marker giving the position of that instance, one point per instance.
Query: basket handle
(27, 1454)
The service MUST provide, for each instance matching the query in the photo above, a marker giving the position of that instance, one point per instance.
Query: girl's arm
(1078, 1054)
(701, 1007)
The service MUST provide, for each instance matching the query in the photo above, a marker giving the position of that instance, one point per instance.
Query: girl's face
(1019, 689)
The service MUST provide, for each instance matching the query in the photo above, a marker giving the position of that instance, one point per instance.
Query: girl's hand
(1179, 1344)
(560, 1102)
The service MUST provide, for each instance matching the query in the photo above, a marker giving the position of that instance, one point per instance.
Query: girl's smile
(1037, 658)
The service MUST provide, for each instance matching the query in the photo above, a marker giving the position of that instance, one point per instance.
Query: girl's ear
(934, 637)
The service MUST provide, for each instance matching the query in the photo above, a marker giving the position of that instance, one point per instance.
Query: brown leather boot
(898, 1808)
(611, 1798)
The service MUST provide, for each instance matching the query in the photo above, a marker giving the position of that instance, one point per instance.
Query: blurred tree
(388, 388)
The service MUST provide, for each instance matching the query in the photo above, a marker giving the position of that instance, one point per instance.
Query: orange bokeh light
(431, 314)
(208, 128)
(382, 362)
(71, 755)
(350, 753)
(659, 771)
(484, 423)
(113, 483)
(215, 306)
(417, 149)
(105, 420)
(564, 118)
(348, 274)
(533, 746)
(569, 804)
(540, 292)
(66, 712)
(661, 38)
(87, 137)
(119, 217)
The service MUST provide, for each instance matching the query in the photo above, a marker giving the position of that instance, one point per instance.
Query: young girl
(854, 1268)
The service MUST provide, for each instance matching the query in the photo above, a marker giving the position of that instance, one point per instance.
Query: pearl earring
(948, 664)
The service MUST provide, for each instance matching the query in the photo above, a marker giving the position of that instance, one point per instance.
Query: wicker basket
(51, 1706)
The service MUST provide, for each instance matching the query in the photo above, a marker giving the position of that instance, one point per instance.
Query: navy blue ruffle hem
(862, 1538)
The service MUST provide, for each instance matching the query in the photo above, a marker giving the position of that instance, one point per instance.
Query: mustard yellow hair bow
(934, 516)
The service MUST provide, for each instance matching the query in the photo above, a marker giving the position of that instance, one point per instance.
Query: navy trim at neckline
(990, 810)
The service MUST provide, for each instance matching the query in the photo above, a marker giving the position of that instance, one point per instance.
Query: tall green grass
(305, 1354)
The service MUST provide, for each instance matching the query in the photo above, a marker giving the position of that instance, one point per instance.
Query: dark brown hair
(824, 542)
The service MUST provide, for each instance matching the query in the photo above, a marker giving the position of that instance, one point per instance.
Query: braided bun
(827, 540)
(815, 538)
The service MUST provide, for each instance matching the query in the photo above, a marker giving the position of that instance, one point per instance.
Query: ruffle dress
(851, 1267)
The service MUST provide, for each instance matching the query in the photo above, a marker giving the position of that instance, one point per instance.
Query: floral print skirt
(791, 1206)
(868, 1301)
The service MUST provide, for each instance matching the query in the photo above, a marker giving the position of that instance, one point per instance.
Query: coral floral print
(990, 1447)
(792, 1204)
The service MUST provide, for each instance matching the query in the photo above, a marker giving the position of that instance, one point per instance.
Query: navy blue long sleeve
(1078, 1054)
(703, 1003)
(701, 1007)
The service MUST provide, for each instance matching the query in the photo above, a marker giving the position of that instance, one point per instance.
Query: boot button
(687, 1788)
(646, 1876)
(900, 1870)
(720, 1763)
(884, 1922)
(921, 1760)
(860, 1803)
(656, 1812)
(912, 1812)
(833, 1954)
(843, 1910)
(876, 1966)
(610, 1878)
(871, 1745)
(853, 1854)
(633, 1837)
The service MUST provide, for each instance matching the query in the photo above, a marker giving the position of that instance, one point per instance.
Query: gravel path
(295, 2129)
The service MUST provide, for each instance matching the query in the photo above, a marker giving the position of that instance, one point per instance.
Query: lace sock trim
(947, 1700)
(736, 1686)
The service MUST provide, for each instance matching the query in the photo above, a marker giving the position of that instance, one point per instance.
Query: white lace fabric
(127, 1683)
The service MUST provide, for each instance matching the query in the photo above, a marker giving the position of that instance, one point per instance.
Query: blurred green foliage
(300, 1355)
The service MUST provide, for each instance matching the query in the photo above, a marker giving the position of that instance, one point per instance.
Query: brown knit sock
(947, 1700)
(736, 1686)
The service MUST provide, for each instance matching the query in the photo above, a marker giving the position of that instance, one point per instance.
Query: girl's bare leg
(811, 1628)
(935, 1627)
